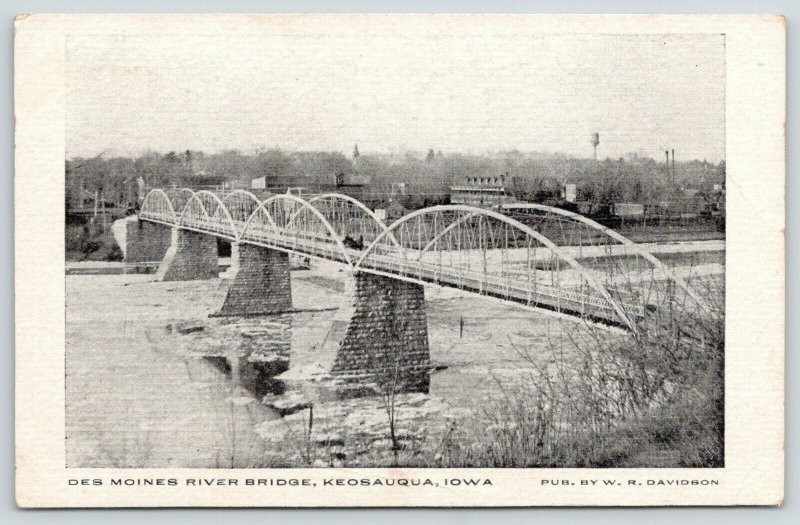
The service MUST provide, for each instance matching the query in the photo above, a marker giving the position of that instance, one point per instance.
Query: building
(482, 191)
(259, 183)
(352, 184)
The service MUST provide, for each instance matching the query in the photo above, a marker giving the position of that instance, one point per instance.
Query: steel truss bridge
(529, 255)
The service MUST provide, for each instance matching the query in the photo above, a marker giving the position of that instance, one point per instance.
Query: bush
(653, 399)
(89, 242)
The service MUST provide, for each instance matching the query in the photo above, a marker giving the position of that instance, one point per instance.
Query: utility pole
(673, 167)
(669, 177)
(670, 181)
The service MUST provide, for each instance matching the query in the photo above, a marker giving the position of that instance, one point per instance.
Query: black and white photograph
(395, 250)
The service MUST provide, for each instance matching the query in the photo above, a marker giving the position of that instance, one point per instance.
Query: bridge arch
(206, 210)
(342, 210)
(241, 204)
(179, 198)
(157, 205)
(456, 239)
(285, 212)
(615, 236)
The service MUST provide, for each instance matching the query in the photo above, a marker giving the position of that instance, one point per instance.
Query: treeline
(416, 180)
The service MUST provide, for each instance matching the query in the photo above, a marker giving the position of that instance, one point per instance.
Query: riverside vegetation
(651, 399)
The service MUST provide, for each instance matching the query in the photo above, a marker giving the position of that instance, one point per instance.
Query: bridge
(532, 256)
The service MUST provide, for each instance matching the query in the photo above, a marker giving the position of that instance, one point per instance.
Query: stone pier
(260, 283)
(385, 346)
(191, 256)
(145, 242)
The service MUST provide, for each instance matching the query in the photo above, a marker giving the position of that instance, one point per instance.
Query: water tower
(595, 140)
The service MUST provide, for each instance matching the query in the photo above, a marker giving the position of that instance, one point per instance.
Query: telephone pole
(673, 167)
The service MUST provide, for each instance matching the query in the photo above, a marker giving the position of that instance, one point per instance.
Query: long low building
(481, 191)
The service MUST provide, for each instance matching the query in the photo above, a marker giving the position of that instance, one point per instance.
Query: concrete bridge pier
(191, 256)
(385, 345)
(260, 283)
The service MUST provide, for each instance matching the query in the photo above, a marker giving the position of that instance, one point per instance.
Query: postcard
(399, 260)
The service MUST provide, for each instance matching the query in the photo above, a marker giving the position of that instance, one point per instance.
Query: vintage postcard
(399, 260)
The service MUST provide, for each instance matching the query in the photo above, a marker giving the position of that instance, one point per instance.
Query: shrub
(655, 398)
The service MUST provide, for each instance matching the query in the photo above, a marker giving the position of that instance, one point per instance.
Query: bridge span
(532, 256)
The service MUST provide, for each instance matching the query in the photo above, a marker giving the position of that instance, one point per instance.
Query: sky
(392, 93)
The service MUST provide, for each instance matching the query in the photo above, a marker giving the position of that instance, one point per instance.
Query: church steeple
(355, 152)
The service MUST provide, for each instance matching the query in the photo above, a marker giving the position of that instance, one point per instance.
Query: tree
(390, 359)
(275, 165)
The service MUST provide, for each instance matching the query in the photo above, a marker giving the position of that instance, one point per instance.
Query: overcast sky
(642, 93)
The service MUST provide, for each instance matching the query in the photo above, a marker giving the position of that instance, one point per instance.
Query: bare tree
(392, 372)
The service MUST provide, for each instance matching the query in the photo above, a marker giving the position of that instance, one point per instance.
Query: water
(153, 381)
